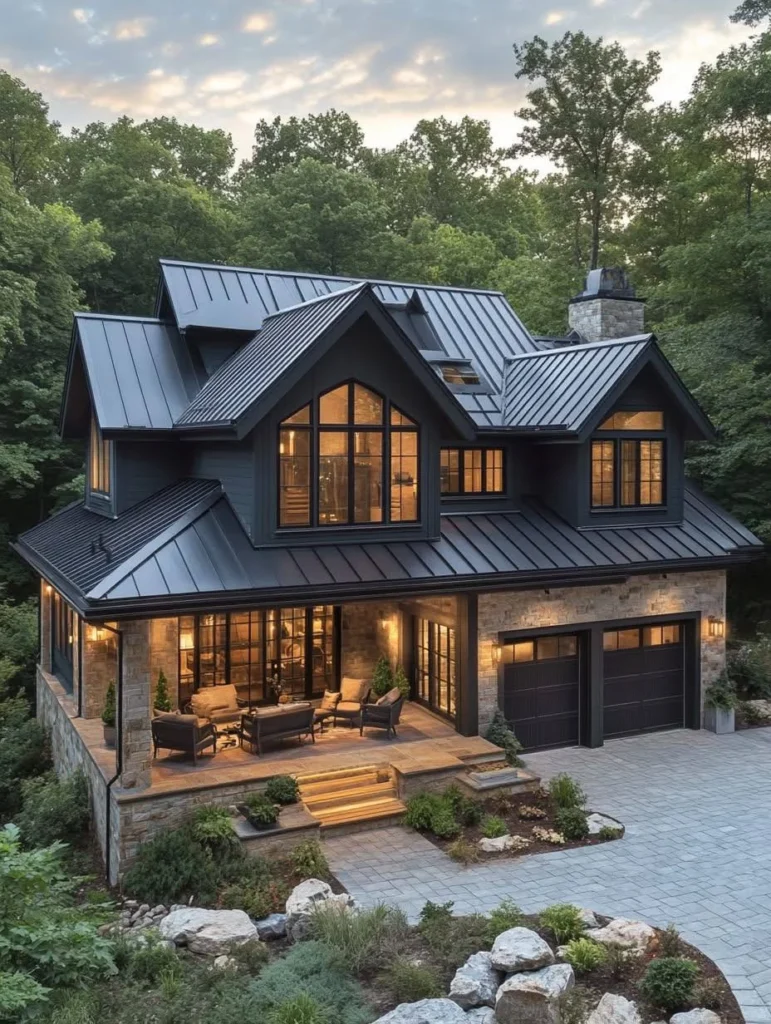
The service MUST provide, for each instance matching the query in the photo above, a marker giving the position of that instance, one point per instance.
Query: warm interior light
(49, 589)
(186, 641)
(716, 627)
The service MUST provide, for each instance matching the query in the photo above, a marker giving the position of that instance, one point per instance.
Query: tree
(204, 156)
(583, 116)
(27, 138)
(331, 138)
(752, 12)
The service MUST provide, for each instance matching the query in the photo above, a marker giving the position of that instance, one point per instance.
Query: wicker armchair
(381, 716)
(185, 733)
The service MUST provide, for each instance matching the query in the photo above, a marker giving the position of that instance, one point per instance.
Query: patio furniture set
(217, 714)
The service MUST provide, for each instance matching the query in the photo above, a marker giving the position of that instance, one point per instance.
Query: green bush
(493, 827)
(309, 860)
(382, 677)
(585, 955)
(443, 824)
(257, 899)
(213, 828)
(109, 711)
(709, 993)
(506, 915)
(429, 812)
(721, 694)
(282, 789)
(563, 920)
(150, 960)
(402, 682)
(408, 982)
(250, 956)
(619, 960)
(19, 993)
(572, 822)
(566, 792)
(436, 922)
(162, 700)
(462, 851)
(23, 752)
(259, 811)
(609, 832)
(53, 809)
(749, 668)
(668, 983)
(302, 1009)
(467, 811)
(670, 943)
(365, 940)
(499, 733)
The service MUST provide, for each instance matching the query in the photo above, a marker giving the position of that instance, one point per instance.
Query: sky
(228, 63)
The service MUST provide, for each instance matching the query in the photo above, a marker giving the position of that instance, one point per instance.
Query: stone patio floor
(697, 851)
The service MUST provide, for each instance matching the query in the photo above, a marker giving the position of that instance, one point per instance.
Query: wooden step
(347, 795)
(319, 789)
(337, 774)
(386, 811)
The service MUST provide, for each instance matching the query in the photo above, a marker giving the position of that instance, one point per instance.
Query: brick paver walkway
(697, 851)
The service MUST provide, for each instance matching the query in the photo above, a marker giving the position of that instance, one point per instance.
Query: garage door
(541, 691)
(644, 679)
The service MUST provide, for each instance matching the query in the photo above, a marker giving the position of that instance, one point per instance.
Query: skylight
(459, 373)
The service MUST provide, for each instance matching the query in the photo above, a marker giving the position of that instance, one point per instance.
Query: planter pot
(259, 825)
(109, 736)
(719, 721)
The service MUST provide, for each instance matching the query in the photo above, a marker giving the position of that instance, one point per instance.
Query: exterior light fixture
(49, 589)
(716, 627)
(497, 654)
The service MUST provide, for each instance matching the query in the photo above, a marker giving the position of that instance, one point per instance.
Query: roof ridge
(633, 339)
(90, 315)
(331, 277)
(318, 298)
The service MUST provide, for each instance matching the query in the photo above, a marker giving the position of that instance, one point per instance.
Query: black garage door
(541, 691)
(644, 679)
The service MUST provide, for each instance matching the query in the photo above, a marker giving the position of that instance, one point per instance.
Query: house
(289, 476)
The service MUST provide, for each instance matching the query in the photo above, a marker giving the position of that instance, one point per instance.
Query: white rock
(599, 821)
(302, 901)
(498, 845)
(621, 932)
(615, 1010)
(480, 1015)
(520, 949)
(271, 927)
(224, 963)
(427, 1011)
(533, 997)
(211, 932)
(476, 982)
(698, 1016)
(589, 918)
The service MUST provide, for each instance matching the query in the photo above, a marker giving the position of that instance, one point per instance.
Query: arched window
(350, 458)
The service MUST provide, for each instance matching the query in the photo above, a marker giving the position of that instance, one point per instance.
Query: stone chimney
(608, 307)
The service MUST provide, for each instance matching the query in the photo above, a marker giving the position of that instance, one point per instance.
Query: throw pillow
(330, 700)
(391, 697)
(352, 689)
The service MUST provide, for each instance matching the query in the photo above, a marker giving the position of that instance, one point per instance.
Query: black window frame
(101, 464)
(462, 492)
(619, 438)
(430, 655)
(63, 624)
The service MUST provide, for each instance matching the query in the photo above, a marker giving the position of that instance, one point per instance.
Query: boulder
(621, 932)
(533, 997)
(210, 932)
(520, 949)
(476, 982)
(224, 963)
(698, 1016)
(427, 1011)
(498, 845)
(480, 1015)
(271, 927)
(589, 918)
(302, 901)
(615, 1010)
(599, 821)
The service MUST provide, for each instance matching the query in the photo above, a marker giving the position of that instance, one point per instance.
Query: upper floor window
(628, 472)
(99, 462)
(471, 470)
(350, 458)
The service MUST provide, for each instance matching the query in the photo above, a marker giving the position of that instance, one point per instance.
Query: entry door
(436, 674)
(541, 691)
(644, 669)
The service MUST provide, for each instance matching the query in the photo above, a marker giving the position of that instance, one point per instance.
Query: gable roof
(260, 373)
(140, 373)
(567, 390)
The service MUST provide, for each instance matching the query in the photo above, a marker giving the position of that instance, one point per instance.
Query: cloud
(260, 22)
(81, 15)
(136, 28)
(208, 39)
(554, 18)
(229, 81)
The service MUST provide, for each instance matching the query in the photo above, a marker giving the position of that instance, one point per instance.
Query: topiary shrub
(563, 920)
(282, 789)
(382, 677)
(668, 983)
(585, 955)
(493, 827)
(109, 710)
(162, 700)
(53, 809)
(499, 733)
(572, 822)
(566, 792)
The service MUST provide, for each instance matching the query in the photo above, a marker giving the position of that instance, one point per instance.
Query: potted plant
(259, 811)
(162, 700)
(382, 677)
(720, 702)
(108, 716)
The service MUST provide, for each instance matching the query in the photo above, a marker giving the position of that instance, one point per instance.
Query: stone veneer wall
(640, 597)
(370, 630)
(601, 319)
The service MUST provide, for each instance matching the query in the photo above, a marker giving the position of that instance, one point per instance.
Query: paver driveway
(697, 851)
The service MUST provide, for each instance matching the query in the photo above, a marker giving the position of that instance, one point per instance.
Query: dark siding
(555, 470)
(233, 464)
(144, 467)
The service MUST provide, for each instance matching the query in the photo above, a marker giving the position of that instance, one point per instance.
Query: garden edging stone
(615, 1009)
(623, 932)
(697, 1016)
(426, 1011)
(532, 997)
(210, 932)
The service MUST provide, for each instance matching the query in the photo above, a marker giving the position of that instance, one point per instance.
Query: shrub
(749, 668)
(23, 752)
(259, 811)
(563, 920)
(18, 993)
(408, 982)
(584, 955)
(382, 677)
(619, 960)
(443, 823)
(529, 813)
(668, 983)
(435, 922)
(609, 832)
(402, 682)
(428, 812)
(574, 1007)
(467, 811)
(494, 828)
(53, 809)
(256, 899)
(566, 792)
(282, 789)
(749, 713)
(452, 939)
(149, 961)
(506, 915)
(309, 861)
(162, 700)
(499, 733)
(213, 828)
(709, 993)
(364, 940)
(251, 955)
(670, 943)
(572, 822)
(302, 1009)
(721, 694)
(464, 852)
(109, 710)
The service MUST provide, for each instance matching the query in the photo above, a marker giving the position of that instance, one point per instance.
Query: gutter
(118, 751)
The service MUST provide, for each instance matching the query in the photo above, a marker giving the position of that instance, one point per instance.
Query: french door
(436, 671)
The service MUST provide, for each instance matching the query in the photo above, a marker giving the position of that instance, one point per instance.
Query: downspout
(118, 751)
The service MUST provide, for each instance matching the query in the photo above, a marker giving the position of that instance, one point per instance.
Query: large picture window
(99, 462)
(471, 471)
(351, 458)
(629, 472)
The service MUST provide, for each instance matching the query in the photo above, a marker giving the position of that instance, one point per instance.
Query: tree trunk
(594, 261)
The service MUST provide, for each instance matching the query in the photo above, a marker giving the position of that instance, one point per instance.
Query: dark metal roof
(468, 323)
(139, 371)
(560, 388)
(284, 337)
(205, 554)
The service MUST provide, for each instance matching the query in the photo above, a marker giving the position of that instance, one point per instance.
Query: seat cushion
(176, 719)
(352, 689)
(389, 698)
(348, 706)
(330, 700)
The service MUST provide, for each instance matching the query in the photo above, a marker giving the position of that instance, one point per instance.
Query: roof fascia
(62, 583)
(74, 346)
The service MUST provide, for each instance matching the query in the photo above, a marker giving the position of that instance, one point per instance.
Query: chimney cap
(608, 283)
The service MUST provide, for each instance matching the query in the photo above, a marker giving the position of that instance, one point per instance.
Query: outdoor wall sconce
(716, 627)
(497, 654)
(49, 589)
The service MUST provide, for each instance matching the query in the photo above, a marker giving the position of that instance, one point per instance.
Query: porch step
(356, 794)
(326, 787)
(311, 778)
(347, 798)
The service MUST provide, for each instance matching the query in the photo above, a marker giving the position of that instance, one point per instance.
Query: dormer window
(99, 463)
(459, 374)
(628, 471)
(349, 459)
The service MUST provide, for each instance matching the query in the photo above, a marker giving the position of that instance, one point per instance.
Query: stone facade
(640, 597)
(100, 668)
(602, 319)
(370, 630)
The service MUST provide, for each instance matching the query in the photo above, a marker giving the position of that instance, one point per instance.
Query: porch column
(98, 667)
(134, 711)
